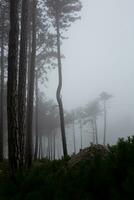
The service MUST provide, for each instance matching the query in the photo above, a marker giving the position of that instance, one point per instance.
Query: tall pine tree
(62, 14)
(12, 86)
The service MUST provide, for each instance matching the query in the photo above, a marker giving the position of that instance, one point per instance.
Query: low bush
(109, 177)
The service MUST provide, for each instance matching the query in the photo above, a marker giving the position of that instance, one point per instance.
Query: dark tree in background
(2, 81)
(30, 97)
(92, 111)
(36, 117)
(104, 97)
(45, 61)
(79, 117)
(62, 13)
(12, 86)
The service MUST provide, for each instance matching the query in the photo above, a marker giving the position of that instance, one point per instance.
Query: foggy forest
(66, 100)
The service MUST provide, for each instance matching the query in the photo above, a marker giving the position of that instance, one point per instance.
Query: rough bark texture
(12, 87)
(30, 97)
(58, 95)
(22, 79)
(2, 86)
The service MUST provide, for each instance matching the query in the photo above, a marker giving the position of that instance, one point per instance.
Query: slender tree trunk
(49, 153)
(96, 130)
(54, 144)
(51, 145)
(93, 128)
(81, 133)
(22, 78)
(39, 154)
(29, 142)
(58, 95)
(36, 119)
(58, 152)
(105, 123)
(12, 100)
(29, 43)
(40, 147)
(2, 86)
(74, 134)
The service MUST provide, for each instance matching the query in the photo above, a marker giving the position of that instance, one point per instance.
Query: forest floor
(94, 173)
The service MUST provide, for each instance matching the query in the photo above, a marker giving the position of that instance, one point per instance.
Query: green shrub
(110, 178)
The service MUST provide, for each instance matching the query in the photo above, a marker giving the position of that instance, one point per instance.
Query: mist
(66, 99)
(99, 57)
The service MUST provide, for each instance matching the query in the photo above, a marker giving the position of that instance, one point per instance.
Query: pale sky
(100, 57)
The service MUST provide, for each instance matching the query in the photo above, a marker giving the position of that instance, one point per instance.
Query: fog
(67, 99)
(99, 57)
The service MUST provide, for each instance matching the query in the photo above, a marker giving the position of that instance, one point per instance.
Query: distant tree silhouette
(104, 97)
(79, 117)
(30, 95)
(48, 124)
(92, 111)
(2, 81)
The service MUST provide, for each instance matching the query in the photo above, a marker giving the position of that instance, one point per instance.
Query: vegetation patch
(108, 175)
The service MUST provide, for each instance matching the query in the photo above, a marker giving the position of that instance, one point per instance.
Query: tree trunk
(22, 78)
(12, 87)
(49, 146)
(81, 133)
(105, 123)
(36, 119)
(74, 134)
(51, 139)
(58, 95)
(93, 128)
(54, 144)
(96, 130)
(40, 147)
(30, 97)
(2, 86)
(29, 42)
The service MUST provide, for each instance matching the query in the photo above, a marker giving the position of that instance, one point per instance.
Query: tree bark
(2, 85)
(22, 78)
(30, 97)
(12, 87)
(58, 94)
